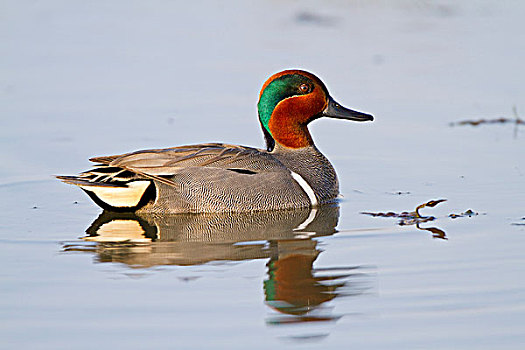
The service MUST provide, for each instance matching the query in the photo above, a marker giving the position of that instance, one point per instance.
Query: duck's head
(291, 99)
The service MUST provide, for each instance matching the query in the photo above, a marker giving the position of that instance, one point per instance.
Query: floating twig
(517, 121)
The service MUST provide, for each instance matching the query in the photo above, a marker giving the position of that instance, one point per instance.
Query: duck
(289, 173)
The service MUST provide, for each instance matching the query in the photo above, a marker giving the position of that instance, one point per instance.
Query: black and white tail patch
(132, 196)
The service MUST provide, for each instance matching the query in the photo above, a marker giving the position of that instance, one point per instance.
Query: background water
(79, 79)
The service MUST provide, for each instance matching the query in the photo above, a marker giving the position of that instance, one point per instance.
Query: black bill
(335, 110)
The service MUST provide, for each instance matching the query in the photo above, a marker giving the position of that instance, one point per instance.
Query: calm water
(80, 79)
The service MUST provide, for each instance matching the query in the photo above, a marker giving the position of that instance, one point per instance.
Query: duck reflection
(293, 287)
(295, 290)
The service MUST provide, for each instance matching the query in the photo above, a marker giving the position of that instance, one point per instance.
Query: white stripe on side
(306, 188)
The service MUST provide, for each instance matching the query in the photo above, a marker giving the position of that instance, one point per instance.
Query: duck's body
(215, 177)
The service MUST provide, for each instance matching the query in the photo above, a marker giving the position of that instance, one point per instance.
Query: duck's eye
(304, 88)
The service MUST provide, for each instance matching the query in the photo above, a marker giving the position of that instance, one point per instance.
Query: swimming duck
(215, 177)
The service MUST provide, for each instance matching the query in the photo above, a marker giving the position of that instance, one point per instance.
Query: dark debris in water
(415, 217)
(522, 223)
(517, 121)
(399, 193)
(436, 232)
(469, 213)
(409, 218)
(189, 278)
(307, 337)
(306, 17)
(489, 121)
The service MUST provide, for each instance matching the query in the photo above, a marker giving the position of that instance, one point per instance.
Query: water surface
(82, 79)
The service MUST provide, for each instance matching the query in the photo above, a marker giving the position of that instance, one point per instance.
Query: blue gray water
(80, 79)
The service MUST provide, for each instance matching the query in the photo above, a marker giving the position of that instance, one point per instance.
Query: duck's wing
(169, 161)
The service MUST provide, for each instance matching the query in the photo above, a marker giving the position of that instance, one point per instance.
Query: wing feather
(169, 161)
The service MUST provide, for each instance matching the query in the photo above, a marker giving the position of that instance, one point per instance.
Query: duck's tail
(114, 188)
